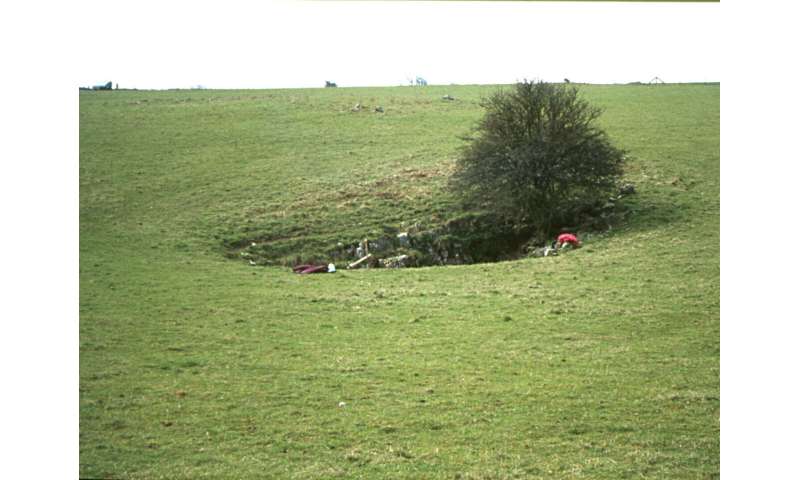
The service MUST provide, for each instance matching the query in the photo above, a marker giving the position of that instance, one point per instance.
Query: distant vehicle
(106, 86)
(330, 84)
(421, 82)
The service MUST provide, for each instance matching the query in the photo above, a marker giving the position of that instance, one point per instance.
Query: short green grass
(601, 363)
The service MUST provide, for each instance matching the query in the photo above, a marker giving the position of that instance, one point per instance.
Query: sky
(303, 44)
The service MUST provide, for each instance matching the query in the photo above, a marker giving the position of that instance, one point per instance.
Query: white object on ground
(359, 261)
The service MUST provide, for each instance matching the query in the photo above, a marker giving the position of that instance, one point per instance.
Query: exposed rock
(381, 245)
(400, 261)
(627, 189)
(461, 241)
(403, 239)
(544, 252)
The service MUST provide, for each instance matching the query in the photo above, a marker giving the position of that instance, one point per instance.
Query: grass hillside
(601, 363)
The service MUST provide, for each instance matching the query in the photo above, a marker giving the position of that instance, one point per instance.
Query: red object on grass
(568, 238)
(310, 269)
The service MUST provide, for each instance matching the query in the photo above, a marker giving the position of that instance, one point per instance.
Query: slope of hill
(601, 363)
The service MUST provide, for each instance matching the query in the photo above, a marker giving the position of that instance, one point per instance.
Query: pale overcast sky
(302, 44)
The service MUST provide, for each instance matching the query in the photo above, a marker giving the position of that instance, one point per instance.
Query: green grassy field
(601, 363)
